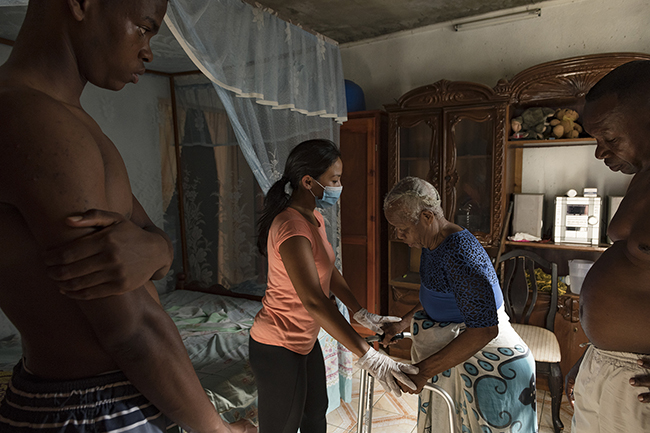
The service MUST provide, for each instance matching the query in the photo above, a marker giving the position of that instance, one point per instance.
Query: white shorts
(605, 402)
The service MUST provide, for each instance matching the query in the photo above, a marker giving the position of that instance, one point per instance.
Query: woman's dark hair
(311, 157)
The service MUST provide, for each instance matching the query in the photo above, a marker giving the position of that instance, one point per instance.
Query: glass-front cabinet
(468, 181)
(419, 145)
(453, 135)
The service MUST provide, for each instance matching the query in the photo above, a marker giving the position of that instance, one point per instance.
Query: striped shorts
(108, 403)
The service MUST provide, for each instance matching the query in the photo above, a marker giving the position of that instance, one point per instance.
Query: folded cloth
(524, 237)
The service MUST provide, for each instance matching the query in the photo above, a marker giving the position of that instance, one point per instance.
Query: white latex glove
(373, 321)
(386, 370)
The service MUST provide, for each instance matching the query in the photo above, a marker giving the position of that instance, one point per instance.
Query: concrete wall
(386, 68)
(130, 119)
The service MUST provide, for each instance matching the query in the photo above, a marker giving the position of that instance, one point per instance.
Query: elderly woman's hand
(419, 380)
(391, 330)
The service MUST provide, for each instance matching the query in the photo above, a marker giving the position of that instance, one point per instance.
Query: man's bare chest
(633, 210)
(116, 179)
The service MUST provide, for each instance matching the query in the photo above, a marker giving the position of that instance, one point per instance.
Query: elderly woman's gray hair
(410, 196)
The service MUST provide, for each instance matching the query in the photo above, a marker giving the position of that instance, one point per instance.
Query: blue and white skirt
(494, 390)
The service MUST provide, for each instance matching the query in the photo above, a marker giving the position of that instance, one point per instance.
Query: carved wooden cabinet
(557, 84)
(560, 83)
(453, 135)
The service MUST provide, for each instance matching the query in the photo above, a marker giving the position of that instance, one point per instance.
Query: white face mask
(331, 195)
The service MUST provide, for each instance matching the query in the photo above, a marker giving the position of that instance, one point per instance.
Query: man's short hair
(629, 82)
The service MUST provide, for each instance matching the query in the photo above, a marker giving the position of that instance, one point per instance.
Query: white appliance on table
(577, 220)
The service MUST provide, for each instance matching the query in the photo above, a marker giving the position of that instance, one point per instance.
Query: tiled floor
(399, 415)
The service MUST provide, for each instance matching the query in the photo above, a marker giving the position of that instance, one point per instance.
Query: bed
(215, 330)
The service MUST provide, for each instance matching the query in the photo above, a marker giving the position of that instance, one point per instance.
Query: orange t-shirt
(283, 320)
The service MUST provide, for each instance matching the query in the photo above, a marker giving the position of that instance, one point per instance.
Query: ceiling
(354, 20)
(341, 20)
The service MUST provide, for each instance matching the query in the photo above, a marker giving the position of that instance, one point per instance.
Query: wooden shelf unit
(554, 246)
(531, 144)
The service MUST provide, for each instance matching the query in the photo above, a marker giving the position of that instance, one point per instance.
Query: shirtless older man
(115, 363)
(615, 296)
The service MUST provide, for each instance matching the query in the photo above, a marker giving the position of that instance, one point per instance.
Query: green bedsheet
(215, 332)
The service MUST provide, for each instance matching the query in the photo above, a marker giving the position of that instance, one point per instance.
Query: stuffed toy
(533, 124)
(564, 124)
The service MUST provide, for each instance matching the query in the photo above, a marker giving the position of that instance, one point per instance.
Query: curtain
(279, 84)
(221, 198)
(262, 64)
(254, 54)
(168, 169)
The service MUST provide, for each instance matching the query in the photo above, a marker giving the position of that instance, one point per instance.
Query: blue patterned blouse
(458, 282)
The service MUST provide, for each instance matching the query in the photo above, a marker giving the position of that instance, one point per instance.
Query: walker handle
(379, 337)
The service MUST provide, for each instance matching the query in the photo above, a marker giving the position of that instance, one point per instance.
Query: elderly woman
(462, 337)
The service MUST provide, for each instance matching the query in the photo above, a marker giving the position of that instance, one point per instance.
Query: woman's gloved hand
(386, 370)
(373, 321)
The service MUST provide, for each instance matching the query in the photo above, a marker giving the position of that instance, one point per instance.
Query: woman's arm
(459, 350)
(300, 265)
(340, 288)
(372, 321)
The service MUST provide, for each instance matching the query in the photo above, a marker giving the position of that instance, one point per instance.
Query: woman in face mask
(284, 352)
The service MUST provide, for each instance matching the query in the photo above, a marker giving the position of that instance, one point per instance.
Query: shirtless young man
(615, 296)
(114, 363)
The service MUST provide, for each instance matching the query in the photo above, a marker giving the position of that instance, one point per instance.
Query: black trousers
(292, 391)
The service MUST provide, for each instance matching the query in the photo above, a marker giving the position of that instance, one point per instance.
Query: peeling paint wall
(387, 69)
